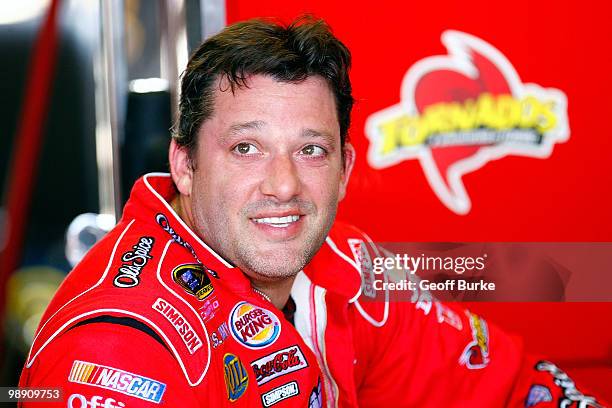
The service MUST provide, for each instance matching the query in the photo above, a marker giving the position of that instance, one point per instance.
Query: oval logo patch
(253, 326)
(236, 377)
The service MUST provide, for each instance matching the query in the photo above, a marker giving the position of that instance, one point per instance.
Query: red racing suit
(153, 316)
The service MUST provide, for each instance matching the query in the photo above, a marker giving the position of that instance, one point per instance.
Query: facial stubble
(284, 265)
(242, 251)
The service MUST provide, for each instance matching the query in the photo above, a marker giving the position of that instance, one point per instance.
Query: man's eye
(313, 150)
(245, 148)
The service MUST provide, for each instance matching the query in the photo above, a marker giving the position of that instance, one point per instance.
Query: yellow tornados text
(495, 112)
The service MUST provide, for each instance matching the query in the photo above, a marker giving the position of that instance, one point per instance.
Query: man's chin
(272, 276)
(273, 265)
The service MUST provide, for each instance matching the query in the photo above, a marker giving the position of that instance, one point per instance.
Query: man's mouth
(278, 222)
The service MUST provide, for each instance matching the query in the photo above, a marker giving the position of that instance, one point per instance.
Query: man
(228, 283)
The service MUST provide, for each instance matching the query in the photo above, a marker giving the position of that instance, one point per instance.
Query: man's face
(268, 174)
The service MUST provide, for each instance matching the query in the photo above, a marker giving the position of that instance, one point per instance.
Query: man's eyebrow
(239, 127)
(312, 133)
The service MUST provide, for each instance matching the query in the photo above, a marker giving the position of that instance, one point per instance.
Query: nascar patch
(111, 378)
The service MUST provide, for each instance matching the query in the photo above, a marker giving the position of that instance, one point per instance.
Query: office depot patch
(253, 326)
(459, 111)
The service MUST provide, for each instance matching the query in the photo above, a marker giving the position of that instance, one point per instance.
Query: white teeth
(278, 222)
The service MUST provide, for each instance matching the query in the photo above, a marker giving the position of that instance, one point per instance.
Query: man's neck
(181, 211)
(277, 292)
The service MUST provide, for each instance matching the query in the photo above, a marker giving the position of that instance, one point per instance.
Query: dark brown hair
(289, 53)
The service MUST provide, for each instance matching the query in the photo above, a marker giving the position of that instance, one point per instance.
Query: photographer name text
(448, 284)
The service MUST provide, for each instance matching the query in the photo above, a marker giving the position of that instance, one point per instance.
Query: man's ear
(349, 162)
(180, 168)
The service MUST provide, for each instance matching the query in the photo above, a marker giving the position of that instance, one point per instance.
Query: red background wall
(566, 197)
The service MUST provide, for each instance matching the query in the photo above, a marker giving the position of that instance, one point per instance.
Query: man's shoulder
(128, 277)
(120, 260)
(106, 341)
(117, 362)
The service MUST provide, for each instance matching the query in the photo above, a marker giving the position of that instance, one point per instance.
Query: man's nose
(282, 179)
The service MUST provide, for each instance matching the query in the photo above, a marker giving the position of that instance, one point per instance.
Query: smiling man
(263, 177)
(228, 282)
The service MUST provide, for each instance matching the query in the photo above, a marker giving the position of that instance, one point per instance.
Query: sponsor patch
(253, 326)
(190, 338)
(459, 111)
(218, 336)
(280, 393)
(364, 261)
(316, 398)
(80, 401)
(476, 353)
(193, 279)
(133, 262)
(537, 393)
(111, 378)
(279, 363)
(163, 222)
(571, 394)
(447, 315)
(209, 308)
(236, 377)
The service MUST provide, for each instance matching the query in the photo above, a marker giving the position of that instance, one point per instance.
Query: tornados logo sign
(462, 110)
(253, 326)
